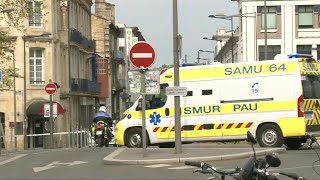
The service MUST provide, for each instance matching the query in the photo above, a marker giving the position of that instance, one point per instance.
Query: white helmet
(103, 109)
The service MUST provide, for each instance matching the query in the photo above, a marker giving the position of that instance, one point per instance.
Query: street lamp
(26, 37)
(214, 39)
(7, 10)
(222, 16)
(208, 52)
(14, 96)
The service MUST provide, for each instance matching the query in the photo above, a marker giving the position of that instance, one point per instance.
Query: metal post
(14, 102)
(25, 94)
(176, 78)
(232, 39)
(51, 121)
(143, 94)
(265, 31)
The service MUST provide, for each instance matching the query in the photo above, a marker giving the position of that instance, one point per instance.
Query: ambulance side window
(157, 100)
(207, 92)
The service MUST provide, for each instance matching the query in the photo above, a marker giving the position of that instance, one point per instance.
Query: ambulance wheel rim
(135, 140)
(269, 137)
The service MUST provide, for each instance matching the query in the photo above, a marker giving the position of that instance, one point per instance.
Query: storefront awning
(37, 108)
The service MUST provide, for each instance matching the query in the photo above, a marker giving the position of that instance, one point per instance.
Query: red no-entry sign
(142, 55)
(51, 88)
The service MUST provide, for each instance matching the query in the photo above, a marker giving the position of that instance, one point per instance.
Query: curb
(110, 159)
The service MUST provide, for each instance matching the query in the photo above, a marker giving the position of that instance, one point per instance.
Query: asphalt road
(87, 164)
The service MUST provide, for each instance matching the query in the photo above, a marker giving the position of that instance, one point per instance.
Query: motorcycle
(254, 169)
(100, 136)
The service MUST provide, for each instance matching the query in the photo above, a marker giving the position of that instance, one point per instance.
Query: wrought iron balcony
(85, 86)
(77, 37)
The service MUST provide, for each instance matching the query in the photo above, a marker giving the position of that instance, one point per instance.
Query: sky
(155, 21)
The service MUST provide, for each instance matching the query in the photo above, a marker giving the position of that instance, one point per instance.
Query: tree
(163, 67)
(14, 20)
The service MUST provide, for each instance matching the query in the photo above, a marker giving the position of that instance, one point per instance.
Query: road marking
(12, 159)
(297, 167)
(183, 167)
(56, 164)
(142, 55)
(157, 165)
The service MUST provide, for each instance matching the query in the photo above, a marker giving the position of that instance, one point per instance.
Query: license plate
(99, 132)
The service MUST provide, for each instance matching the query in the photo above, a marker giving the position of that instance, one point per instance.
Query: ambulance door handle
(167, 112)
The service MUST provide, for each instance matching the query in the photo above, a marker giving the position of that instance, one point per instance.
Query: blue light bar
(296, 55)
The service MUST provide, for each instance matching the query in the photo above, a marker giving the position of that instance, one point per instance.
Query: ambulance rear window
(311, 86)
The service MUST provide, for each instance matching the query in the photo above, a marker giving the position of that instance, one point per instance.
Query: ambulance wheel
(133, 138)
(269, 135)
(294, 143)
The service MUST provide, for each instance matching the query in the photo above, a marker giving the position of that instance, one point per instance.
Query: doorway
(36, 126)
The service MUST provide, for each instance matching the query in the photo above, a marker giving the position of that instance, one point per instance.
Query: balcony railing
(77, 37)
(85, 86)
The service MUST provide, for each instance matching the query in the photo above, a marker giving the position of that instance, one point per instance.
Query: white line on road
(183, 167)
(142, 55)
(12, 159)
(157, 165)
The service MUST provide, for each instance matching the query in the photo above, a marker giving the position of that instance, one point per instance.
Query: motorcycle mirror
(273, 160)
(250, 138)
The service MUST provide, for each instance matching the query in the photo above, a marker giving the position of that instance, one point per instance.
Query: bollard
(81, 138)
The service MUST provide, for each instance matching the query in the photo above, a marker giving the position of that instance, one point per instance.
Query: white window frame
(33, 16)
(269, 13)
(34, 58)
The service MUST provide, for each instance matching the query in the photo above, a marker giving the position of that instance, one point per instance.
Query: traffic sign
(51, 88)
(142, 55)
(176, 91)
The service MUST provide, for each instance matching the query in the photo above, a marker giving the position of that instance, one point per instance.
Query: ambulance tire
(270, 135)
(294, 143)
(133, 138)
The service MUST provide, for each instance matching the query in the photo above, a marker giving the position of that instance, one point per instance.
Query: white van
(223, 102)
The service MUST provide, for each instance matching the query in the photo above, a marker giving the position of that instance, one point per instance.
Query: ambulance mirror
(139, 106)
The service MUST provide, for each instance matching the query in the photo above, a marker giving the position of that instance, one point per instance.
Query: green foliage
(14, 20)
(162, 67)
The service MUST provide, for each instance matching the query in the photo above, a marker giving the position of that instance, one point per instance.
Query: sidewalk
(192, 152)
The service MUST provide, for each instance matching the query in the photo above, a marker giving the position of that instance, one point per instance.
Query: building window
(35, 13)
(305, 16)
(304, 49)
(271, 17)
(36, 63)
(271, 53)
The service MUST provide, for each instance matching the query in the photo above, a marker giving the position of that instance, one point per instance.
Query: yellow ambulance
(224, 101)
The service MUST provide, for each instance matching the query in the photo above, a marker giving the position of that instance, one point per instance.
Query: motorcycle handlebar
(292, 175)
(194, 163)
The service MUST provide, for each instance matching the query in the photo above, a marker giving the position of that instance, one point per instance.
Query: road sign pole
(143, 94)
(51, 122)
(177, 123)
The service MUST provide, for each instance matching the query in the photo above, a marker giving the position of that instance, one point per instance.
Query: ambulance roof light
(192, 64)
(297, 55)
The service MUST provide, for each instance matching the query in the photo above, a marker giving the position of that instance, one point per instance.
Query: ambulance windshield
(311, 86)
(158, 100)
